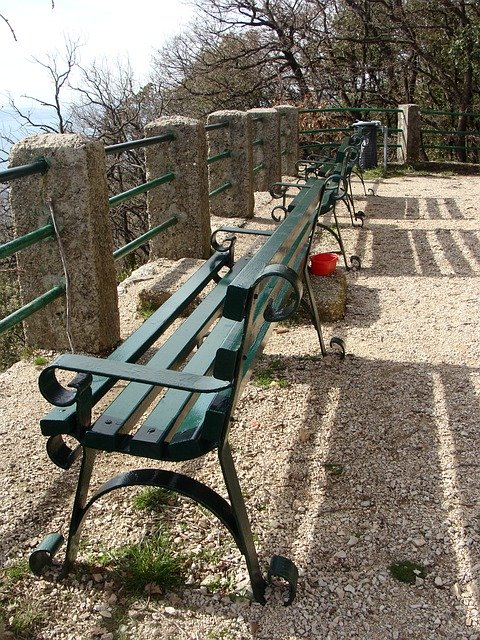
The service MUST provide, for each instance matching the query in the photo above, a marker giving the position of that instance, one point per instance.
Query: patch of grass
(222, 634)
(146, 310)
(25, 622)
(334, 469)
(17, 571)
(40, 361)
(407, 571)
(150, 561)
(155, 499)
(269, 373)
(376, 172)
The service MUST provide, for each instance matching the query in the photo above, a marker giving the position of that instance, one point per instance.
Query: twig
(10, 26)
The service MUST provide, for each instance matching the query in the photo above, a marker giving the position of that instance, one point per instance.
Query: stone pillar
(186, 196)
(235, 137)
(75, 187)
(289, 138)
(267, 164)
(409, 136)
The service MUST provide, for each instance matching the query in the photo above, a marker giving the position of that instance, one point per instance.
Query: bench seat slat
(62, 420)
(131, 402)
(171, 408)
(294, 226)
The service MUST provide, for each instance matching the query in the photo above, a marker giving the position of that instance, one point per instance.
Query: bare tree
(59, 67)
(7, 21)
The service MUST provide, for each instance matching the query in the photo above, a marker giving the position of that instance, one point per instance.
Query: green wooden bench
(201, 369)
(335, 189)
(344, 161)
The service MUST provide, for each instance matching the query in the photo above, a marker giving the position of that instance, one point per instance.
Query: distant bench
(201, 368)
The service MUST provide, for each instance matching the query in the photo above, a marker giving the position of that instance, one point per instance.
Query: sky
(110, 30)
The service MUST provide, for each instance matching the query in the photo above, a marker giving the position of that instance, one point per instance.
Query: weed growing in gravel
(154, 499)
(270, 373)
(333, 468)
(40, 361)
(24, 623)
(222, 634)
(146, 310)
(407, 571)
(151, 560)
(17, 571)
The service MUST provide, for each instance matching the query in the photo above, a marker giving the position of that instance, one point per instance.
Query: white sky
(110, 29)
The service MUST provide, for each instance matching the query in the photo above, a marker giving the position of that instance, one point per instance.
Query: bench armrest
(57, 395)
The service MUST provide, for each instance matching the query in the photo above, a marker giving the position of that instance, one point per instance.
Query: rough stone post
(75, 187)
(235, 137)
(409, 134)
(267, 165)
(186, 196)
(289, 138)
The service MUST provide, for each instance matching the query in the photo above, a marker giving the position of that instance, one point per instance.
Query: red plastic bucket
(323, 264)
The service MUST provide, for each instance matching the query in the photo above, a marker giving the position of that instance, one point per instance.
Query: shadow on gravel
(421, 252)
(382, 474)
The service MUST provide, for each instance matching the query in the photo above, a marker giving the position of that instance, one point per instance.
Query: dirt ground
(348, 467)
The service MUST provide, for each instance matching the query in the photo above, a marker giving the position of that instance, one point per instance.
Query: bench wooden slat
(62, 421)
(298, 227)
(171, 409)
(132, 402)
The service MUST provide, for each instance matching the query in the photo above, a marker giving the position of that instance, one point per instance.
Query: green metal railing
(141, 188)
(224, 187)
(39, 166)
(22, 242)
(217, 125)
(326, 133)
(219, 156)
(223, 155)
(32, 307)
(119, 198)
(141, 142)
(144, 238)
(463, 141)
(47, 231)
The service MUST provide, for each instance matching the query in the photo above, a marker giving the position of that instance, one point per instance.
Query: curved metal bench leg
(239, 511)
(286, 569)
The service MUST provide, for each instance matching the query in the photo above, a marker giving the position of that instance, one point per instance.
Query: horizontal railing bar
(32, 307)
(326, 130)
(216, 125)
(221, 189)
(39, 166)
(319, 144)
(346, 109)
(449, 146)
(220, 156)
(22, 242)
(142, 188)
(451, 132)
(144, 238)
(141, 142)
(433, 112)
(258, 167)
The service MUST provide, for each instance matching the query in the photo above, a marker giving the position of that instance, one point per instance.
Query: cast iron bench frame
(219, 341)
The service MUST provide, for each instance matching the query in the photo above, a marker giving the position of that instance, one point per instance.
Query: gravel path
(350, 467)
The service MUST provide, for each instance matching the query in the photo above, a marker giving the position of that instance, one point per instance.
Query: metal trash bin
(368, 150)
